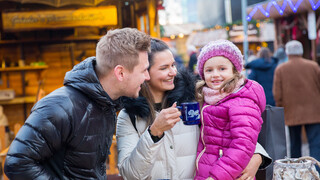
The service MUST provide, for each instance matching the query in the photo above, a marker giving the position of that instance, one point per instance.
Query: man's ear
(119, 72)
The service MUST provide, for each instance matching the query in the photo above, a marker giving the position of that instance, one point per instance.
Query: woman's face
(162, 72)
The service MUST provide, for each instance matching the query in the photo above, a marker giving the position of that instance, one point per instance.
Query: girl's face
(216, 71)
(162, 72)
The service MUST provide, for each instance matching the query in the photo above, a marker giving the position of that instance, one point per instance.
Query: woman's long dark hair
(156, 46)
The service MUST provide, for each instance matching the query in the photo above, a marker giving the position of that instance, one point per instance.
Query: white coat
(173, 157)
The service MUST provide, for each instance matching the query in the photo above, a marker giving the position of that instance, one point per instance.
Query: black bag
(273, 138)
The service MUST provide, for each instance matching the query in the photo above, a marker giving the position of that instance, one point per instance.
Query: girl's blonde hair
(226, 87)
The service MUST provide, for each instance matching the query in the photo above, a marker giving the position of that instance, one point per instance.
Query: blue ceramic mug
(190, 113)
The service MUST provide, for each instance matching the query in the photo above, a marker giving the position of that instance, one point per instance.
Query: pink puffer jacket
(229, 133)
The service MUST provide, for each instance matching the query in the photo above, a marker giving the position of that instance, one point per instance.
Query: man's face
(136, 78)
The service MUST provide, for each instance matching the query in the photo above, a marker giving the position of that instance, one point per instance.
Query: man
(297, 88)
(69, 132)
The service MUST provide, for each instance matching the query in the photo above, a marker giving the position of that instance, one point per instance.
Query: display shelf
(24, 99)
(19, 100)
(24, 68)
(67, 39)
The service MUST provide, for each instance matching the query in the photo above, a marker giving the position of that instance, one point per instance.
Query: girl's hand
(209, 178)
(250, 171)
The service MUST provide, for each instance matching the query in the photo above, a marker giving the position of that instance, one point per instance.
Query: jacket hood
(251, 90)
(184, 91)
(84, 78)
(261, 64)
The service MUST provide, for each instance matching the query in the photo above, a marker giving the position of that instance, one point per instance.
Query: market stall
(294, 20)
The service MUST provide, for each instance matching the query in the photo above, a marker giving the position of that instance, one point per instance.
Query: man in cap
(296, 87)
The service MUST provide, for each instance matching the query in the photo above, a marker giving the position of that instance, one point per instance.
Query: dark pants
(313, 135)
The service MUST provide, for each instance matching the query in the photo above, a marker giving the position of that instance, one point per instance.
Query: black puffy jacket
(68, 133)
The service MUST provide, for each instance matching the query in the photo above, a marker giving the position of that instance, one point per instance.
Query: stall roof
(201, 38)
(176, 29)
(279, 8)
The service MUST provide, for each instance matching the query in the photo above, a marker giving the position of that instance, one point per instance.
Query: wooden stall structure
(41, 40)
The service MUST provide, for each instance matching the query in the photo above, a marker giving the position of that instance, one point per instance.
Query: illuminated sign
(99, 16)
(237, 30)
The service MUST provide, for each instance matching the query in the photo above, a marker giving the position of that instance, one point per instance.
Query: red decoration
(160, 5)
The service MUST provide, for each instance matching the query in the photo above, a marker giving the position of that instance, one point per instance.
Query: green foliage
(162, 31)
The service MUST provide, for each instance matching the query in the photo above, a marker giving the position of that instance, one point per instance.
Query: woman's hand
(166, 119)
(250, 171)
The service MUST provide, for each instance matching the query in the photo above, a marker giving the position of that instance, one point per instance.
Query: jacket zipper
(220, 153)
(204, 149)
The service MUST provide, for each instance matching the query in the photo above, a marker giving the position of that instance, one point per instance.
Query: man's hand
(250, 171)
(165, 120)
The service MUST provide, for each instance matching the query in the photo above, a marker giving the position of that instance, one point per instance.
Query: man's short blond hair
(120, 47)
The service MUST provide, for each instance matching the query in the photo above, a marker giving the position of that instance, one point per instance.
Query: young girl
(231, 113)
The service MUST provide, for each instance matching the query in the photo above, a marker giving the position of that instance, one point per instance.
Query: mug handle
(180, 109)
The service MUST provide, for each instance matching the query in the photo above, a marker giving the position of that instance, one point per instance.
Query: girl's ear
(119, 72)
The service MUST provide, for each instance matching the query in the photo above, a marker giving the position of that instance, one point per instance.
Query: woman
(152, 144)
(262, 71)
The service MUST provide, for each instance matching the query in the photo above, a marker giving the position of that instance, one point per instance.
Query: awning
(176, 29)
(279, 8)
(59, 3)
(201, 38)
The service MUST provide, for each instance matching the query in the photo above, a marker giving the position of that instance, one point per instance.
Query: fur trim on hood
(184, 91)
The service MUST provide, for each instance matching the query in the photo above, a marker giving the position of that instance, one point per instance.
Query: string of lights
(280, 9)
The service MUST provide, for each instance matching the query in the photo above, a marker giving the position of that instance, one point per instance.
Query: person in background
(251, 55)
(262, 71)
(69, 132)
(296, 87)
(170, 151)
(281, 55)
(177, 58)
(192, 52)
(231, 113)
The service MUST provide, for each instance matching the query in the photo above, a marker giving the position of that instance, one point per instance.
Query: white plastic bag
(296, 168)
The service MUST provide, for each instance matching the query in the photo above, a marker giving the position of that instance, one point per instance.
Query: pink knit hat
(223, 48)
